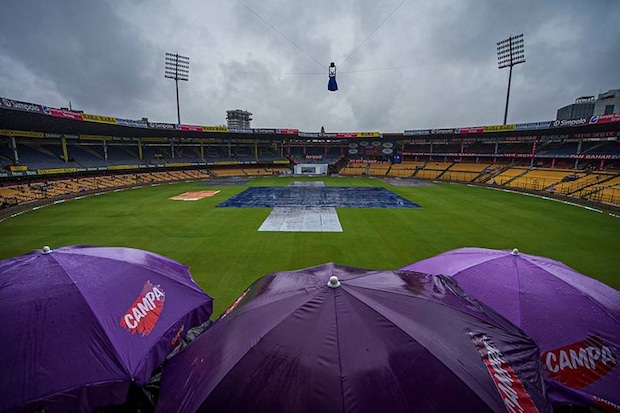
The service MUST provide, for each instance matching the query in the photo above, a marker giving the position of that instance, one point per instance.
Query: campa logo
(510, 388)
(580, 364)
(144, 313)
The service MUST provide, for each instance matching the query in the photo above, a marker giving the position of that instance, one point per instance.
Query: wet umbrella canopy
(573, 318)
(338, 339)
(79, 324)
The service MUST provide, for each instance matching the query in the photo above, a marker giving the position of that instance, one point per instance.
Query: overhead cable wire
(281, 34)
(373, 31)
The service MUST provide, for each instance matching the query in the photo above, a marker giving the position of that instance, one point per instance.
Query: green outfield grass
(226, 252)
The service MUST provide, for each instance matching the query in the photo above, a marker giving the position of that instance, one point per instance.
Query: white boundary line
(589, 208)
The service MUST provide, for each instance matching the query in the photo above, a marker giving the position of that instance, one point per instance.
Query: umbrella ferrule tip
(333, 282)
(515, 251)
(47, 250)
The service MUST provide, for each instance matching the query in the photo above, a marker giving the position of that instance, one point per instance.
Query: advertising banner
(215, 128)
(445, 131)
(157, 125)
(469, 129)
(22, 133)
(499, 128)
(263, 130)
(533, 125)
(61, 113)
(173, 164)
(23, 106)
(570, 122)
(117, 167)
(56, 171)
(369, 135)
(95, 137)
(132, 123)
(346, 135)
(18, 168)
(287, 131)
(191, 128)
(236, 130)
(417, 132)
(308, 134)
(99, 118)
(612, 117)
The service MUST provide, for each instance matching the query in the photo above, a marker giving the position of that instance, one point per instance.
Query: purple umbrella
(338, 339)
(79, 324)
(573, 318)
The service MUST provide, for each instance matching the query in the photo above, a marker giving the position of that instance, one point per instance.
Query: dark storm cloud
(94, 58)
(428, 64)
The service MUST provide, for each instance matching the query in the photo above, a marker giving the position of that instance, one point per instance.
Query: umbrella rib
(339, 352)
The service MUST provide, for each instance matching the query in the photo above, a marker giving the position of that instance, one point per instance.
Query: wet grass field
(226, 252)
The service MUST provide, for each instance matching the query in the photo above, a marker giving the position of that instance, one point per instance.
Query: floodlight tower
(177, 68)
(510, 52)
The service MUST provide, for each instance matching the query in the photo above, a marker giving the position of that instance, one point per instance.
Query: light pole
(177, 68)
(510, 52)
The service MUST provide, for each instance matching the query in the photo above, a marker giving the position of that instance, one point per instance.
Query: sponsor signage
(282, 162)
(308, 134)
(23, 106)
(56, 171)
(67, 114)
(215, 128)
(95, 137)
(516, 155)
(445, 131)
(346, 135)
(508, 384)
(580, 364)
(22, 133)
(263, 130)
(117, 167)
(192, 128)
(157, 125)
(369, 135)
(569, 122)
(239, 130)
(287, 131)
(143, 315)
(532, 125)
(99, 118)
(18, 168)
(133, 123)
(595, 135)
(172, 164)
(416, 132)
(469, 129)
(594, 156)
(612, 117)
(498, 128)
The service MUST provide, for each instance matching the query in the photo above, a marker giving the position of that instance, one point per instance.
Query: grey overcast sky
(402, 64)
